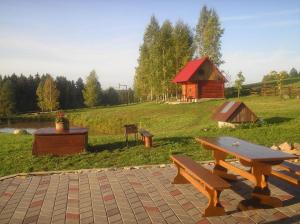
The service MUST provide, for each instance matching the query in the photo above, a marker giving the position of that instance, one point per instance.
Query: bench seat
(211, 185)
(145, 133)
(146, 137)
(288, 172)
(291, 167)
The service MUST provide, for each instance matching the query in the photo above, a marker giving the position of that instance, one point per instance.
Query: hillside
(174, 128)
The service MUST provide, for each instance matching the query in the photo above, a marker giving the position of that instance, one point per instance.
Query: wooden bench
(289, 172)
(146, 137)
(211, 185)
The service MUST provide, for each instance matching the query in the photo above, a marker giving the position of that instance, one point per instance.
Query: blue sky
(73, 37)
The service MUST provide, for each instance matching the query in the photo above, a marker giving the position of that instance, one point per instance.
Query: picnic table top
(244, 150)
(52, 131)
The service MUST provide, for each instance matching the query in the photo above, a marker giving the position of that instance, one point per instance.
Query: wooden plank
(291, 167)
(200, 173)
(247, 151)
(286, 176)
(52, 131)
(59, 144)
(145, 133)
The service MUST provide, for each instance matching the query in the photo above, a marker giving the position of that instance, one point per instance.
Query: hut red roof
(234, 111)
(189, 70)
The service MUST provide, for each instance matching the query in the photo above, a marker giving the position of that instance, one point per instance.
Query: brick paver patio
(130, 196)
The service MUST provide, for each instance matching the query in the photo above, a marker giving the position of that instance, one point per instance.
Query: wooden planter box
(48, 141)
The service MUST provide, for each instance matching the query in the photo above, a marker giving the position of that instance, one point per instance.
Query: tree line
(19, 93)
(274, 75)
(167, 48)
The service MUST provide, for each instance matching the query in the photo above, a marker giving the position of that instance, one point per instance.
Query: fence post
(290, 92)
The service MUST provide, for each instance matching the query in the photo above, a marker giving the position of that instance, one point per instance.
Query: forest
(20, 93)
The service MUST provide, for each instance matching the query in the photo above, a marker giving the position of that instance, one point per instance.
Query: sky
(71, 38)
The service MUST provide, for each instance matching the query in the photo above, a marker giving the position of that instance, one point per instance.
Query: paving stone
(130, 196)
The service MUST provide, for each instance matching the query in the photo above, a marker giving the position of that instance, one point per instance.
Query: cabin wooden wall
(243, 114)
(207, 72)
(211, 89)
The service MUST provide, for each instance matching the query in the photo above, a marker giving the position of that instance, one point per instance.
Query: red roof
(189, 70)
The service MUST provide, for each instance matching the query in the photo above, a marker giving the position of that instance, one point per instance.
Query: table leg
(261, 195)
(218, 169)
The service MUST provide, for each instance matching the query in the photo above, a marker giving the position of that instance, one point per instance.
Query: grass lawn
(174, 127)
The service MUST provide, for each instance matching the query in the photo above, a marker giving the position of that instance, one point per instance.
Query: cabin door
(191, 91)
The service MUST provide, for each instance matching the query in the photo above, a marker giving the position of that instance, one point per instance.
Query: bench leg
(126, 139)
(219, 170)
(148, 142)
(214, 207)
(179, 179)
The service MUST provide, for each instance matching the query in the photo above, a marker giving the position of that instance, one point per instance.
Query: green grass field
(174, 127)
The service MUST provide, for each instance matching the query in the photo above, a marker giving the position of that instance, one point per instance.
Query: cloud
(255, 65)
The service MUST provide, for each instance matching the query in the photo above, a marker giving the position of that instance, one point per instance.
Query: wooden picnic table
(260, 159)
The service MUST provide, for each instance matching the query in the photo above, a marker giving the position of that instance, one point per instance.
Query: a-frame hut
(231, 113)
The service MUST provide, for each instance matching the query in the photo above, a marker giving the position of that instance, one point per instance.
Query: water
(29, 126)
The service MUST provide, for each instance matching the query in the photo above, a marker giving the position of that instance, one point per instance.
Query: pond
(29, 126)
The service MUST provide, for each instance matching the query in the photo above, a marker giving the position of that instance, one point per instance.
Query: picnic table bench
(146, 137)
(260, 159)
(211, 185)
(289, 172)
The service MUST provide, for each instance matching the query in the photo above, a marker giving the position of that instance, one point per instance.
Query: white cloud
(255, 65)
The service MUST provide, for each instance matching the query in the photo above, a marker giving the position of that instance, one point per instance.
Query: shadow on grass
(121, 145)
(112, 146)
(172, 140)
(277, 120)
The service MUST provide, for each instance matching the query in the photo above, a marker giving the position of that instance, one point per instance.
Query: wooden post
(220, 170)
(148, 141)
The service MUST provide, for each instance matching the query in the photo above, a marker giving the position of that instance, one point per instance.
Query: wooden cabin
(231, 113)
(200, 79)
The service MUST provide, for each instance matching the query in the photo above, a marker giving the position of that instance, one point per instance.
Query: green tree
(166, 58)
(183, 47)
(51, 94)
(146, 84)
(47, 94)
(40, 96)
(208, 35)
(7, 98)
(239, 82)
(78, 93)
(92, 90)
(279, 78)
(111, 97)
(271, 76)
(293, 73)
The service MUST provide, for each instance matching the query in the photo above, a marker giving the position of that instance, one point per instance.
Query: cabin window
(200, 72)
